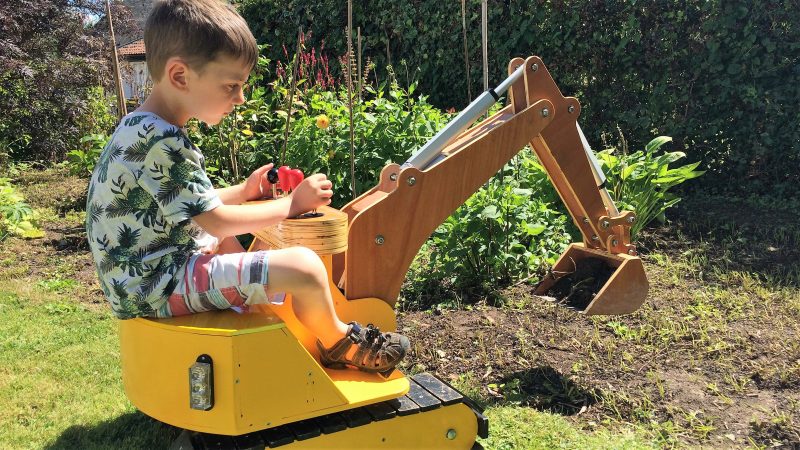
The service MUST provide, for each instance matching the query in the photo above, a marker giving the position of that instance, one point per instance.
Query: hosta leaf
(490, 212)
(656, 143)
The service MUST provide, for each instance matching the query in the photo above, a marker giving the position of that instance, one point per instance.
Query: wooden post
(466, 53)
(292, 87)
(359, 65)
(485, 38)
(350, 95)
(123, 111)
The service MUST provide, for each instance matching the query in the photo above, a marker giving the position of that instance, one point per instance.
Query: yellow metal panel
(278, 379)
(427, 430)
(223, 323)
(155, 373)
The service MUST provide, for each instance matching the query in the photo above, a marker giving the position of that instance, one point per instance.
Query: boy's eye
(233, 87)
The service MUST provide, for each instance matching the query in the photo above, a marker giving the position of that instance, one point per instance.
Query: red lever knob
(283, 178)
(295, 178)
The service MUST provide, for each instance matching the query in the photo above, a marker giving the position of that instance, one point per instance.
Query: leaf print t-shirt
(149, 182)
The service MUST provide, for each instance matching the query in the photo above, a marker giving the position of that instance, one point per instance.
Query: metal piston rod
(423, 158)
(430, 153)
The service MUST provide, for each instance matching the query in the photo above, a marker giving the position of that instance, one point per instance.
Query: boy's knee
(308, 267)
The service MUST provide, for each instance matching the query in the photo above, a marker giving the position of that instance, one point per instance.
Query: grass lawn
(711, 360)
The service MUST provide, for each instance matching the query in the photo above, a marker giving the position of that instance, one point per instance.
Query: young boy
(163, 238)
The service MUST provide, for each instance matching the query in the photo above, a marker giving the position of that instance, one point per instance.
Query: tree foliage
(51, 58)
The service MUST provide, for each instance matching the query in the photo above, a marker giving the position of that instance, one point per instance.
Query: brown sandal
(377, 352)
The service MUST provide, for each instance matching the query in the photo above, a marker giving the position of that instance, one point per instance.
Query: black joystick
(272, 177)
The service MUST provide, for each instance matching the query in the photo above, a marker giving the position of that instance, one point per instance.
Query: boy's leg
(229, 245)
(301, 272)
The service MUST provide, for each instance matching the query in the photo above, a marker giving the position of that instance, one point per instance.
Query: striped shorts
(219, 282)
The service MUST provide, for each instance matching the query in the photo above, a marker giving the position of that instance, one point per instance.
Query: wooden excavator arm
(389, 223)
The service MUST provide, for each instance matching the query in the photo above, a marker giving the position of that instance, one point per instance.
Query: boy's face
(217, 88)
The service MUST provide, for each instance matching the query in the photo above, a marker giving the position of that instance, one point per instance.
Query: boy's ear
(176, 73)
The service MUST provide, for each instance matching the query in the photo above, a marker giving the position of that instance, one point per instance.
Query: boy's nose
(239, 99)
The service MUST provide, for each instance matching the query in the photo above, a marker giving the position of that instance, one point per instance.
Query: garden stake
(291, 95)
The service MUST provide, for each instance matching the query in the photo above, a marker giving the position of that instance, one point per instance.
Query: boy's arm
(256, 186)
(232, 195)
(232, 220)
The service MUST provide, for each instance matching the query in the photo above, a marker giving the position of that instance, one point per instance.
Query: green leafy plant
(639, 181)
(81, 161)
(16, 216)
(389, 124)
(510, 230)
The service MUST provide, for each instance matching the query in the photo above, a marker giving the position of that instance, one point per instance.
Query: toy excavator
(252, 379)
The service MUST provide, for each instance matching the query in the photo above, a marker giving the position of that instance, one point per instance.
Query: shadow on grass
(129, 431)
(545, 389)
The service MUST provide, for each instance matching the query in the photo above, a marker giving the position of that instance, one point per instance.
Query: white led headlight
(201, 384)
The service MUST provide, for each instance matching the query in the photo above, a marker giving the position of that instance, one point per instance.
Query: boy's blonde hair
(197, 31)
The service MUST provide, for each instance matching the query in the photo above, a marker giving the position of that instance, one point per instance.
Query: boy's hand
(257, 185)
(313, 192)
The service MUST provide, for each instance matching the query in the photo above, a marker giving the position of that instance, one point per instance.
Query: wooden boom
(389, 223)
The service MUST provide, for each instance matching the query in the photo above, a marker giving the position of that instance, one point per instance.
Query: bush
(16, 216)
(511, 229)
(639, 181)
(81, 161)
(51, 63)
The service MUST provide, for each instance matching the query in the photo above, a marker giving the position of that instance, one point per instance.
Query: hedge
(721, 77)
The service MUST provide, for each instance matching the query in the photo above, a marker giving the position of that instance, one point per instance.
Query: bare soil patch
(711, 359)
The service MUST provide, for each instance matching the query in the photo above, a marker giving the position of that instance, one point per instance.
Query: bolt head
(534, 67)
(393, 177)
(631, 219)
(451, 434)
(605, 224)
(614, 243)
(632, 252)
(595, 237)
(411, 181)
(379, 239)
(571, 109)
(545, 112)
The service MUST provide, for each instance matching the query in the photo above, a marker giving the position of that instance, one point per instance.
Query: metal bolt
(393, 177)
(631, 219)
(595, 238)
(451, 434)
(631, 252)
(605, 224)
(571, 109)
(412, 181)
(379, 239)
(614, 242)
(585, 220)
(534, 67)
(545, 112)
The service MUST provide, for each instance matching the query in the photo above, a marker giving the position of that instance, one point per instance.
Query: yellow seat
(266, 369)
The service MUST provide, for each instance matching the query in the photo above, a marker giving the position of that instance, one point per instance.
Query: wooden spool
(326, 234)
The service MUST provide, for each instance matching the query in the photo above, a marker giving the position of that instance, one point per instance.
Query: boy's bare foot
(374, 351)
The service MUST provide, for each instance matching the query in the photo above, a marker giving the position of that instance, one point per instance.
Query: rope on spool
(326, 234)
